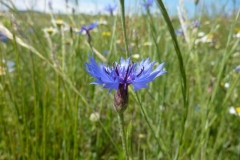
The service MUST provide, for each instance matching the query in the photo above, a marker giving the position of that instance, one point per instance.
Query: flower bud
(121, 98)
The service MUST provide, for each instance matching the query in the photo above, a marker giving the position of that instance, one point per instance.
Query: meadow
(49, 110)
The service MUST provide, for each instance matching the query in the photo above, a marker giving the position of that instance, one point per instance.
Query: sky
(97, 6)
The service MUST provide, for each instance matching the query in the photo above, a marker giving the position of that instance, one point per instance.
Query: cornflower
(195, 24)
(121, 75)
(147, 4)
(105, 52)
(3, 38)
(237, 69)
(86, 29)
(180, 31)
(50, 5)
(111, 9)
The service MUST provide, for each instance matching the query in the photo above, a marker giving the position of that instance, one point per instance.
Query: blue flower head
(110, 9)
(50, 5)
(125, 73)
(147, 4)
(195, 24)
(237, 69)
(3, 38)
(105, 52)
(86, 29)
(120, 75)
(180, 31)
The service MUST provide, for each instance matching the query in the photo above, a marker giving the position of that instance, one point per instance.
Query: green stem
(75, 145)
(124, 27)
(121, 121)
(178, 52)
(63, 49)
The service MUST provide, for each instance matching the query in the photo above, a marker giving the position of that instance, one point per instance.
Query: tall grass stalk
(124, 27)
(182, 71)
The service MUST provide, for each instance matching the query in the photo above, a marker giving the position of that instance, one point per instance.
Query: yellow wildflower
(238, 110)
(50, 30)
(235, 111)
(106, 34)
(59, 22)
(237, 29)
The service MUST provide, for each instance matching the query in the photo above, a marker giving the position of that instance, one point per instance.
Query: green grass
(45, 108)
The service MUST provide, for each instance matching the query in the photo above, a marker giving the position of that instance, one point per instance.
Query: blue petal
(83, 29)
(146, 66)
(123, 63)
(138, 86)
(3, 38)
(114, 7)
(92, 26)
(146, 77)
(159, 70)
(147, 3)
(101, 76)
(110, 8)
